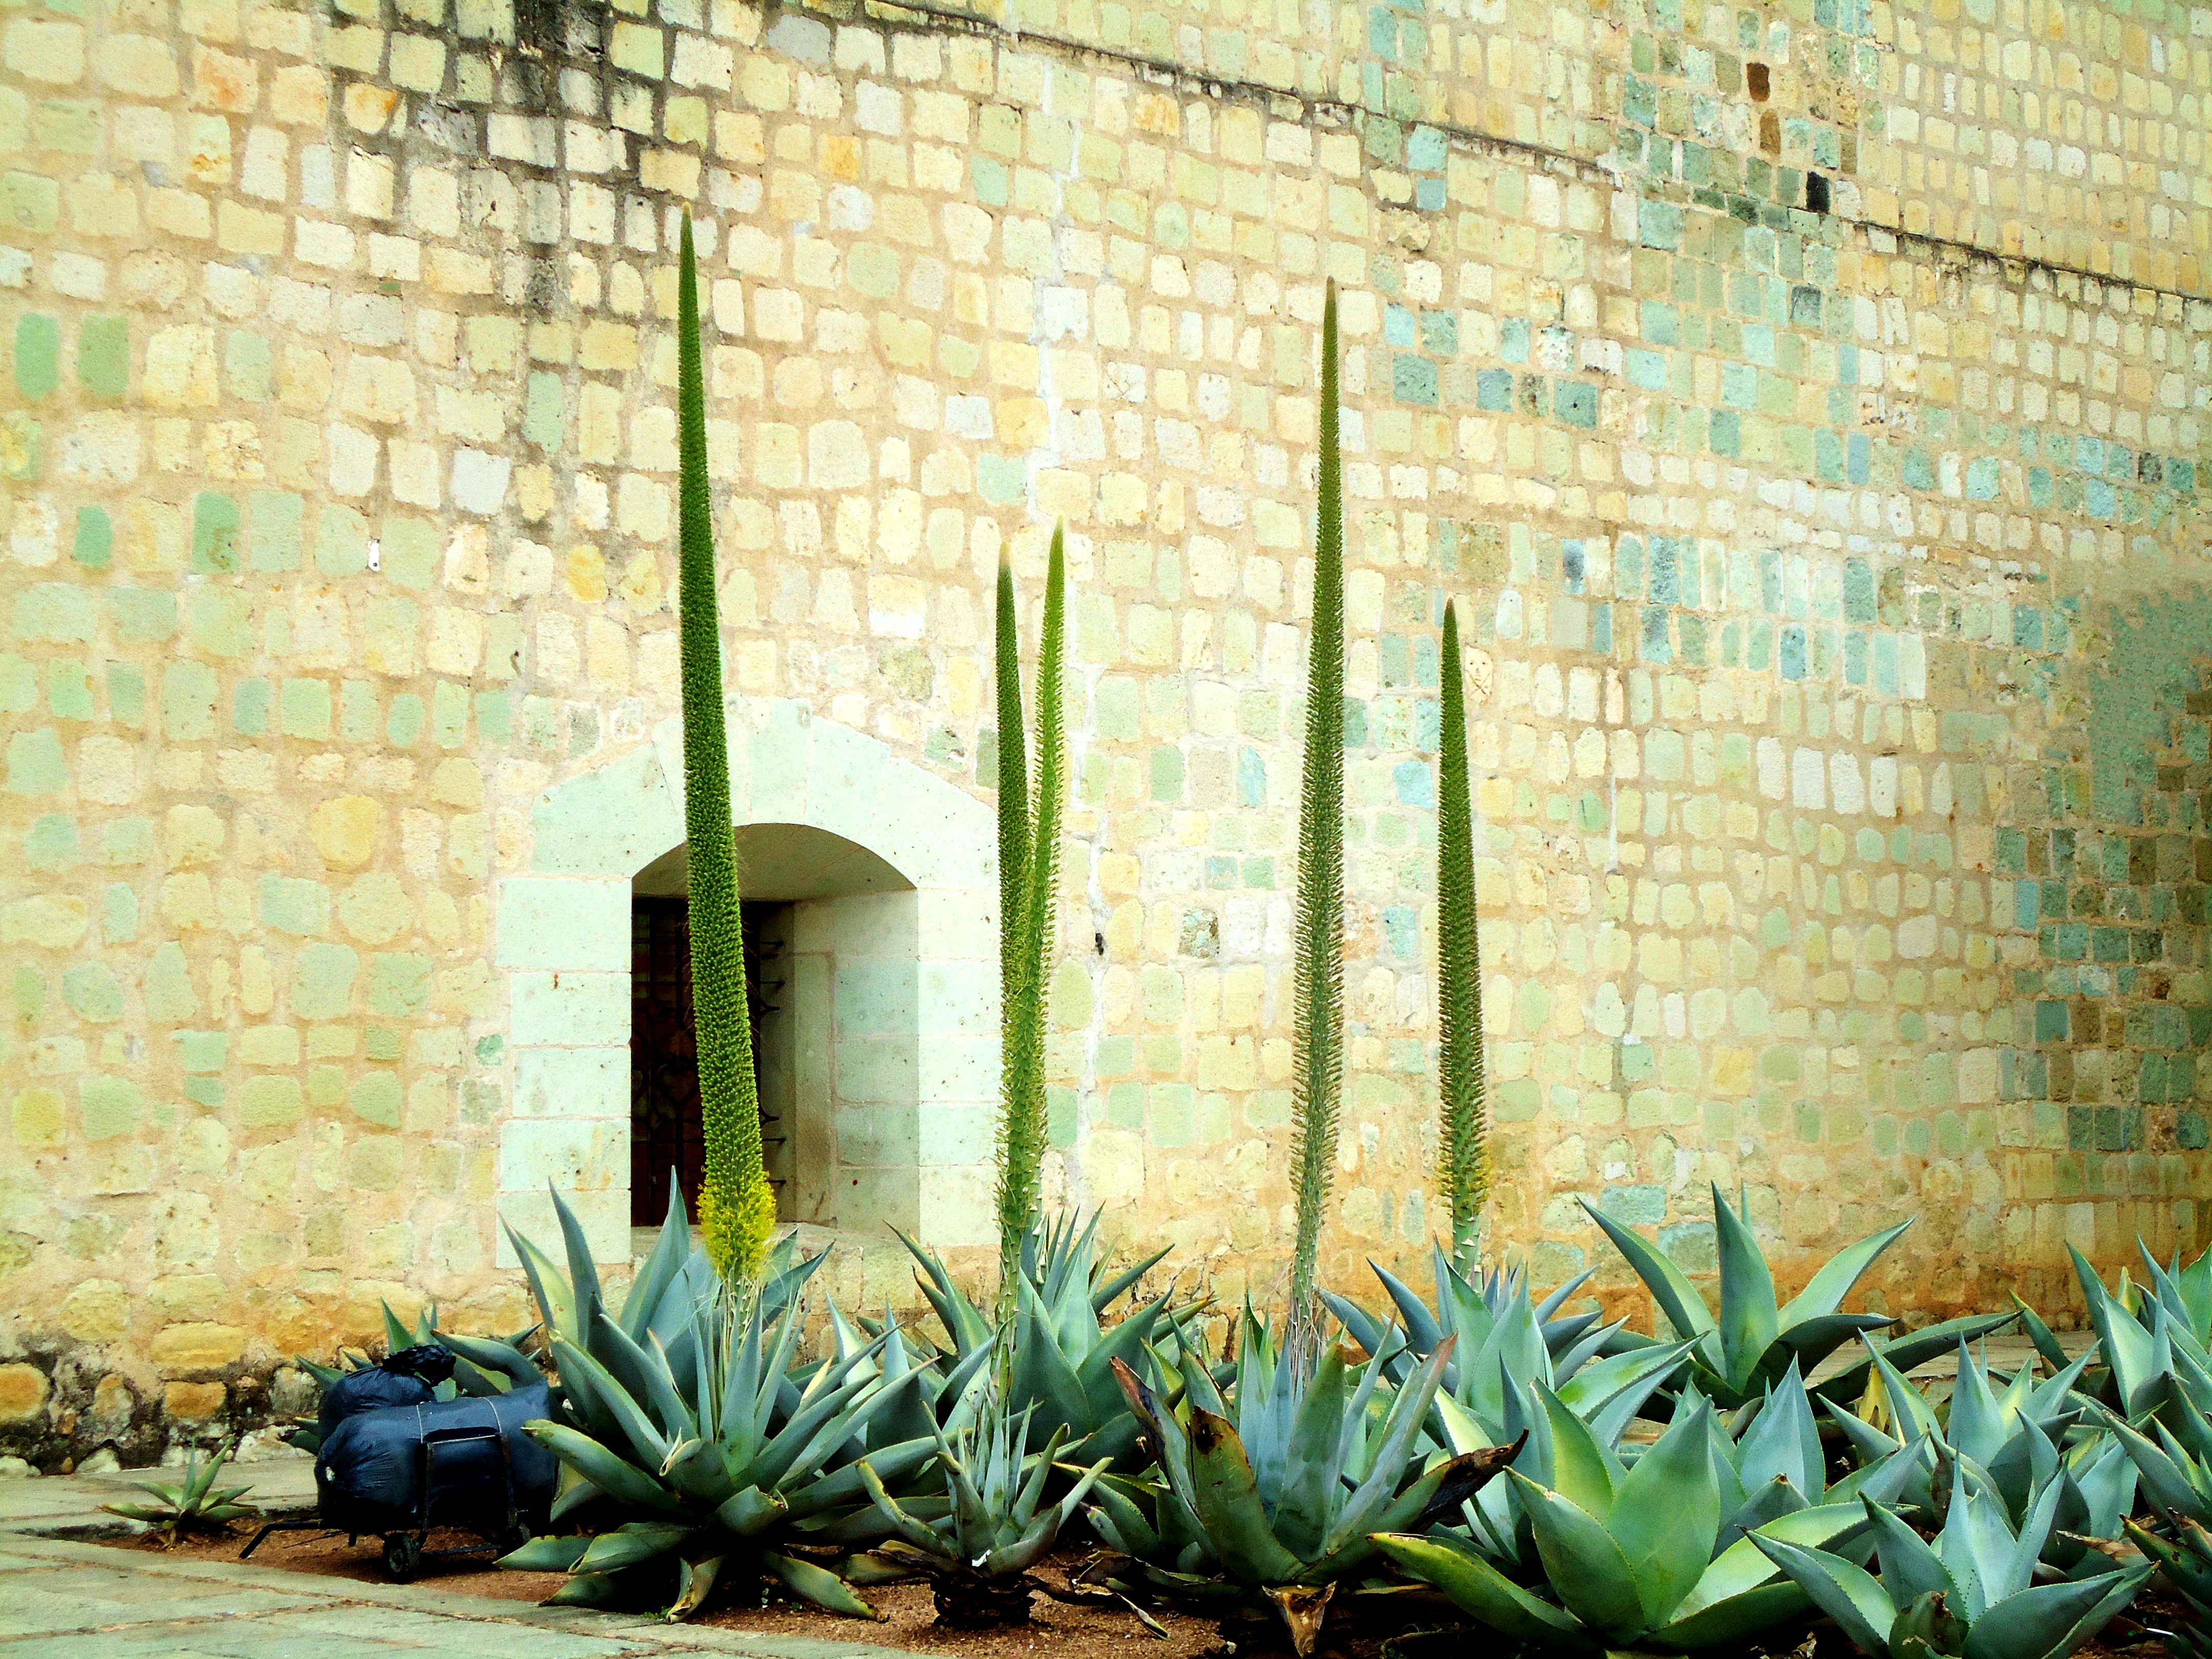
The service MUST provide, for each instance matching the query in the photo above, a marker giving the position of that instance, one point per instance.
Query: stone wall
(1807, 401)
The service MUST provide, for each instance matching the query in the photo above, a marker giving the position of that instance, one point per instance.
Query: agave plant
(195, 1504)
(2152, 1342)
(1505, 1342)
(1057, 1349)
(2014, 1441)
(1276, 1488)
(1637, 1556)
(1755, 1340)
(995, 1523)
(1971, 1594)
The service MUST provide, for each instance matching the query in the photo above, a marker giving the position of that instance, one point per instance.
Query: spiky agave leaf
(1317, 1004)
(1462, 1154)
(737, 1207)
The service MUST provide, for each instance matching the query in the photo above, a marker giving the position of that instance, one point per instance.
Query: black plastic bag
(407, 1378)
(370, 1473)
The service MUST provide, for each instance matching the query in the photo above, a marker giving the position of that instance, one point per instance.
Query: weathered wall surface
(1839, 579)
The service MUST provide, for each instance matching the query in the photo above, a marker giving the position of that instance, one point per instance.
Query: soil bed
(1054, 1629)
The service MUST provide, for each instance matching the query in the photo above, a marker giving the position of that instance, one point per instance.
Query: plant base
(968, 1604)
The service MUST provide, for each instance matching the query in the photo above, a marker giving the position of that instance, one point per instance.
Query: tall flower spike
(737, 1207)
(1029, 854)
(1464, 1154)
(1317, 1035)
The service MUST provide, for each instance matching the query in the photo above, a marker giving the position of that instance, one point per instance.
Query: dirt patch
(1055, 1631)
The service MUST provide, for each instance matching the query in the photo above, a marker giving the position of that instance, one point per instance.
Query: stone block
(573, 1083)
(603, 1216)
(557, 923)
(574, 1154)
(590, 1010)
(611, 821)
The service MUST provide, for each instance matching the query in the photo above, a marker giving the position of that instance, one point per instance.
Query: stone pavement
(62, 1598)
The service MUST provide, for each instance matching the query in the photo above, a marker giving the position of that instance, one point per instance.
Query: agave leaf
(1584, 1470)
(1109, 1291)
(1670, 1287)
(546, 1555)
(1908, 1568)
(397, 1337)
(651, 1445)
(573, 1492)
(672, 1416)
(1665, 1515)
(695, 1581)
(1311, 1471)
(918, 1533)
(2127, 1347)
(1847, 1593)
(1825, 1292)
(628, 1545)
(145, 1512)
(556, 1296)
(585, 1589)
(502, 1359)
(615, 1475)
(963, 1324)
(1227, 1505)
(1783, 1440)
(1586, 1567)
(1422, 1331)
(893, 1464)
(1040, 1370)
(1116, 1517)
(2051, 1619)
(1478, 1589)
(1905, 1352)
(818, 1585)
(662, 1268)
(1741, 1566)
(227, 1511)
(1749, 1320)
(583, 1272)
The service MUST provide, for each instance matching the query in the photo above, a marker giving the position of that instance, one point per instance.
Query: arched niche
(889, 875)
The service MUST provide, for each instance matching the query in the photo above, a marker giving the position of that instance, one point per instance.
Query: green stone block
(294, 904)
(249, 708)
(403, 725)
(341, 542)
(126, 693)
(60, 613)
(1174, 1109)
(34, 763)
(69, 689)
(273, 529)
(19, 685)
(322, 981)
(449, 714)
(380, 1042)
(109, 1107)
(188, 696)
(30, 990)
(357, 712)
(38, 355)
(119, 914)
(376, 1097)
(399, 985)
(326, 1085)
(494, 719)
(90, 988)
(206, 1092)
(304, 708)
(410, 551)
(96, 538)
(872, 270)
(245, 365)
(53, 843)
(545, 410)
(215, 521)
(142, 616)
(127, 841)
(271, 1103)
(219, 620)
(69, 125)
(103, 355)
(169, 985)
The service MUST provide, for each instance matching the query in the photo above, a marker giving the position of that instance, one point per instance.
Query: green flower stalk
(737, 1207)
(1317, 1020)
(1029, 873)
(1464, 1152)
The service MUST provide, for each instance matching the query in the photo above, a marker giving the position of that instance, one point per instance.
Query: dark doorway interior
(666, 1133)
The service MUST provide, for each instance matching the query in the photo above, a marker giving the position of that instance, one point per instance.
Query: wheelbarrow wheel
(403, 1557)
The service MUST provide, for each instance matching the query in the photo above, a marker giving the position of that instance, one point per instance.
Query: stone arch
(562, 941)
